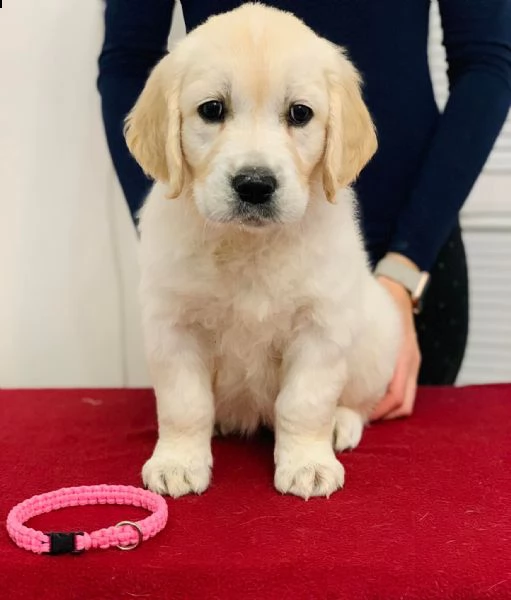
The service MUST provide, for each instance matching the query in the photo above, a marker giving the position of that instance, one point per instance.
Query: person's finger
(388, 404)
(406, 408)
(396, 391)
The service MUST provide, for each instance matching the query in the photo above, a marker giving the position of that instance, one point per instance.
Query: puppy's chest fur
(247, 314)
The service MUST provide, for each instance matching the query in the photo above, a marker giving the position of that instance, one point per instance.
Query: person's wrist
(398, 290)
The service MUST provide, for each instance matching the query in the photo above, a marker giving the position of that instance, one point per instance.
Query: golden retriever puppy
(258, 304)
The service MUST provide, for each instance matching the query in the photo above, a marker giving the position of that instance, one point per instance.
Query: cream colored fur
(281, 324)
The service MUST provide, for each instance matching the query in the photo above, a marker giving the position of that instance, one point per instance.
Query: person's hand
(400, 397)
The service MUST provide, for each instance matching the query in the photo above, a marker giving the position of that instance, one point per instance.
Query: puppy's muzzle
(254, 185)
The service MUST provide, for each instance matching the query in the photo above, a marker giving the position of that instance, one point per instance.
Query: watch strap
(414, 281)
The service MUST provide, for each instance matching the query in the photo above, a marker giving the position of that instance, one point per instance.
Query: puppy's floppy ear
(153, 128)
(351, 137)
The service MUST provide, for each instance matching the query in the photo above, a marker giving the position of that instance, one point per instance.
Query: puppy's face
(250, 111)
(253, 131)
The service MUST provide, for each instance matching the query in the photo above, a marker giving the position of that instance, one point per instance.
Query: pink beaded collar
(126, 535)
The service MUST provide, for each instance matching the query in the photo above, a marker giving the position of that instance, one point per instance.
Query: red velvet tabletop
(425, 512)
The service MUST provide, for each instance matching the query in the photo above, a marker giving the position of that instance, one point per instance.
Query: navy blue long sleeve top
(411, 192)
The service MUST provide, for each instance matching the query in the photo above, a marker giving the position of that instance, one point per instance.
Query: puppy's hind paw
(348, 429)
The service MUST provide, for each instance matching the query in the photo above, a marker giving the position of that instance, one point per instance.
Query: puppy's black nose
(254, 185)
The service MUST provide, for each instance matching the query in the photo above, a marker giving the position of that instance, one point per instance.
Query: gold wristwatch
(416, 282)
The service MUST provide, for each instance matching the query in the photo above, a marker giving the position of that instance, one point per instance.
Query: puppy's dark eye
(299, 115)
(212, 111)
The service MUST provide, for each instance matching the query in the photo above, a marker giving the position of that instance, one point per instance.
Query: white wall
(487, 232)
(68, 313)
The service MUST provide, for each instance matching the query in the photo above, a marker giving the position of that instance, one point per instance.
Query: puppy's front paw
(308, 474)
(178, 472)
(348, 429)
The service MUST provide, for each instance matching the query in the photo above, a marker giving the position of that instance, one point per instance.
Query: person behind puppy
(412, 191)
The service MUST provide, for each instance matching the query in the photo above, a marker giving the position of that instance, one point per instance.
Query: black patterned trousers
(442, 326)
